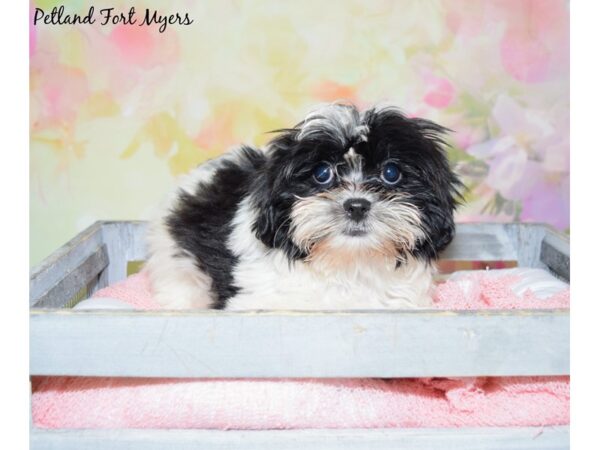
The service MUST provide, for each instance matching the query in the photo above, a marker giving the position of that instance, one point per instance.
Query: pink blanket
(70, 402)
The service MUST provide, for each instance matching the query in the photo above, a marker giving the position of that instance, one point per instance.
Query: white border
(584, 221)
(14, 235)
(585, 298)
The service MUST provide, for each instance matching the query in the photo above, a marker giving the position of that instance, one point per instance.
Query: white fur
(176, 281)
(341, 122)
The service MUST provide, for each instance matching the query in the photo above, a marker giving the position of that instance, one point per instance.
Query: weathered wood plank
(66, 259)
(526, 238)
(555, 253)
(480, 241)
(125, 242)
(74, 280)
(533, 438)
(387, 343)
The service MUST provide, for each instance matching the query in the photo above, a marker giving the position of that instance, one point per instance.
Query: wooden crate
(384, 343)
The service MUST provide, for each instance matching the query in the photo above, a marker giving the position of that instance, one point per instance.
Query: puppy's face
(342, 183)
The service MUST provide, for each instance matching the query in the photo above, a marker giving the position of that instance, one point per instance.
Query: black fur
(201, 223)
(418, 145)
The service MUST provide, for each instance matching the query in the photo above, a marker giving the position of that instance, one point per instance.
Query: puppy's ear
(272, 224)
(265, 225)
(438, 223)
(437, 207)
(271, 199)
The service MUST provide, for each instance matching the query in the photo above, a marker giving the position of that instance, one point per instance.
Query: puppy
(346, 210)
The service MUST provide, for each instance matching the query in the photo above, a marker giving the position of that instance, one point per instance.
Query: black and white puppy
(346, 210)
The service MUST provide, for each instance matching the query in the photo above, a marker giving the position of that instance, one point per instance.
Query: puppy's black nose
(357, 208)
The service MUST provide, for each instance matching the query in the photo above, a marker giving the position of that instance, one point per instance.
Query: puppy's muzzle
(357, 208)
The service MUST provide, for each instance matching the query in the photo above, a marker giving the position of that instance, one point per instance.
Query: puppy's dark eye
(323, 173)
(391, 173)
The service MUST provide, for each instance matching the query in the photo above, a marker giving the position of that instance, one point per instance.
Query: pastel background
(118, 112)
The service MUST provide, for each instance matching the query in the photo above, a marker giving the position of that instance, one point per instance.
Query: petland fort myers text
(107, 16)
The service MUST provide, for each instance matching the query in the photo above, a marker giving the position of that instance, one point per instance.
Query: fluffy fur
(311, 222)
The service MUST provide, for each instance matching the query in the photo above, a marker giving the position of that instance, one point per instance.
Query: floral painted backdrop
(118, 111)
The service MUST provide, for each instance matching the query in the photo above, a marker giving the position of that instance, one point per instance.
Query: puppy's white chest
(271, 283)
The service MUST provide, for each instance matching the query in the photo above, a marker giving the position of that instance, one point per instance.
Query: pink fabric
(70, 402)
(492, 293)
(135, 290)
(292, 403)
